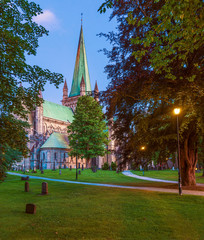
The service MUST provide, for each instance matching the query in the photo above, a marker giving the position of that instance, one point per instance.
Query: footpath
(154, 189)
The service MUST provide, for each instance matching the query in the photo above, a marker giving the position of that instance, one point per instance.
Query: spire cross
(81, 18)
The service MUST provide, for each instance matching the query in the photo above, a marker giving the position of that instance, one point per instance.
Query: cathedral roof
(56, 140)
(81, 69)
(57, 111)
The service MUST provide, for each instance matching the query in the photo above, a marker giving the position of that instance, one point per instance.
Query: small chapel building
(49, 145)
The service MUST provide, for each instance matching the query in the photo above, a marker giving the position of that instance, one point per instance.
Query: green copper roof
(56, 140)
(81, 69)
(57, 111)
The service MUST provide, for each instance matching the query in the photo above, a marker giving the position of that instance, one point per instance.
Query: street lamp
(142, 149)
(177, 112)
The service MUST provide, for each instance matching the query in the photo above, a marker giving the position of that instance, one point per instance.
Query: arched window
(43, 156)
(55, 155)
(48, 155)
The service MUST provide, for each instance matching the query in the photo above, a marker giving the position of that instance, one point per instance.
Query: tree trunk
(188, 159)
(88, 163)
(203, 167)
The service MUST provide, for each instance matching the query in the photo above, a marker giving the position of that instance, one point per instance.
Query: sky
(57, 51)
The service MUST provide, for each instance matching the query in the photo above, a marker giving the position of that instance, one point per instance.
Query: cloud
(48, 20)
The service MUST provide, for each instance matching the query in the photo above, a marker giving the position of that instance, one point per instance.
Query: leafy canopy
(88, 134)
(19, 36)
(155, 64)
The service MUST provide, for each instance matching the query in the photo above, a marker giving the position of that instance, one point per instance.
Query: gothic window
(43, 156)
(48, 155)
(55, 156)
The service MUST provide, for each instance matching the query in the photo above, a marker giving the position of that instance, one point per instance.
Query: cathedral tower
(81, 81)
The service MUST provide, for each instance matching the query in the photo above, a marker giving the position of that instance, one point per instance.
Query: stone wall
(58, 158)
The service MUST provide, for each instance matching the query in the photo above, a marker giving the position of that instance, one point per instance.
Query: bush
(113, 166)
(105, 166)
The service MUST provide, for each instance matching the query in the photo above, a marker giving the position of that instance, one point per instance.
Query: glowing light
(143, 148)
(177, 111)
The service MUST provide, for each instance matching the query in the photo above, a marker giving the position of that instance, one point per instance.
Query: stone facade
(50, 121)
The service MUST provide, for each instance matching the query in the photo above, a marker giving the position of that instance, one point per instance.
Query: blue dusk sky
(57, 51)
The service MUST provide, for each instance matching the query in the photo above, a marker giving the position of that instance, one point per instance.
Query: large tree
(19, 37)
(88, 135)
(156, 64)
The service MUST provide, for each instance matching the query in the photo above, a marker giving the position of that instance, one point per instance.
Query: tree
(155, 65)
(19, 37)
(88, 135)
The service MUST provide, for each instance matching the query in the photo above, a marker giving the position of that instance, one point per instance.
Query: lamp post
(142, 149)
(177, 112)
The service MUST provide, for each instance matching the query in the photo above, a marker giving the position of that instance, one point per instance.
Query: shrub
(113, 166)
(105, 166)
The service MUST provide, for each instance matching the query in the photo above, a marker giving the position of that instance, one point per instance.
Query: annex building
(49, 145)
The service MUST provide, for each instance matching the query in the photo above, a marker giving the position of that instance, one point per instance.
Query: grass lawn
(167, 175)
(111, 177)
(87, 176)
(87, 212)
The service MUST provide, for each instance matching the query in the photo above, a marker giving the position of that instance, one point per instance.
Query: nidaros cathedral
(49, 145)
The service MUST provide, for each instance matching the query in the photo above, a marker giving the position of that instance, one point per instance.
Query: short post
(60, 172)
(30, 208)
(44, 188)
(26, 186)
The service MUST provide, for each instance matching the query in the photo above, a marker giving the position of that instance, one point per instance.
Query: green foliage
(8, 155)
(106, 5)
(19, 37)
(113, 166)
(155, 65)
(105, 166)
(88, 135)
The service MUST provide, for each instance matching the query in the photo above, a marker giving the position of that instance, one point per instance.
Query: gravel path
(185, 192)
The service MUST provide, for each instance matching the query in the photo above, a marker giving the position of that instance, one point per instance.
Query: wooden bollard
(30, 208)
(44, 188)
(26, 186)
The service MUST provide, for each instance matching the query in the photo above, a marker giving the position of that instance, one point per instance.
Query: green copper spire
(80, 69)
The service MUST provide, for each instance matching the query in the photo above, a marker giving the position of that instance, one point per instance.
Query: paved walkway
(185, 192)
(130, 174)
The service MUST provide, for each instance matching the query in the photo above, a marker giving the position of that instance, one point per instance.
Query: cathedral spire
(96, 92)
(65, 86)
(96, 87)
(81, 68)
(65, 92)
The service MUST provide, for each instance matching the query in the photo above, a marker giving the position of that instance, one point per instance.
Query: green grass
(87, 212)
(88, 176)
(167, 175)
(111, 177)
